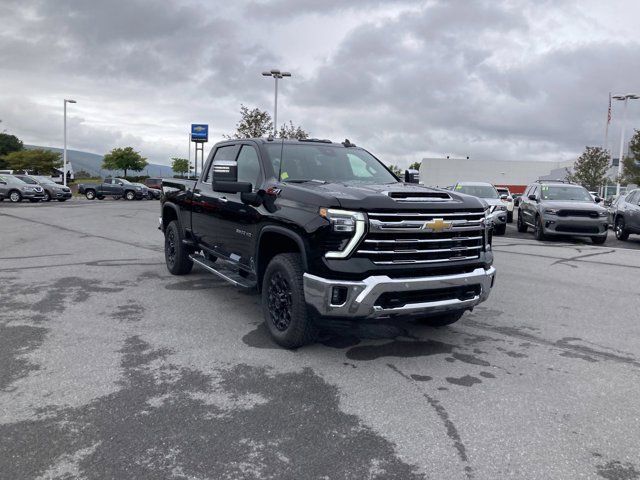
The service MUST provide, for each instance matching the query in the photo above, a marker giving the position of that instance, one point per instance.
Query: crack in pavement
(580, 257)
(452, 431)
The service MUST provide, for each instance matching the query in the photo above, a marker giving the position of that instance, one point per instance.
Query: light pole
(625, 98)
(276, 74)
(64, 156)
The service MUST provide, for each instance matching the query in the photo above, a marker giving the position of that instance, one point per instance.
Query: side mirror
(411, 176)
(232, 187)
(533, 197)
(504, 197)
(598, 199)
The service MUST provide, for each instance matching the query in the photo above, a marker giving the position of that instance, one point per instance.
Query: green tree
(415, 166)
(38, 161)
(253, 123)
(630, 172)
(124, 159)
(590, 169)
(180, 165)
(290, 131)
(8, 144)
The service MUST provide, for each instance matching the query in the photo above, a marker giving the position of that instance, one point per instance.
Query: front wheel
(47, 196)
(285, 311)
(34, 200)
(539, 231)
(443, 320)
(62, 199)
(501, 229)
(90, 194)
(15, 197)
(621, 231)
(599, 240)
(129, 195)
(509, 217)
(176, 254)
(522, 227)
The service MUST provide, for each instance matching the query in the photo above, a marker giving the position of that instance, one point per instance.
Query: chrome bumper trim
(362, 295)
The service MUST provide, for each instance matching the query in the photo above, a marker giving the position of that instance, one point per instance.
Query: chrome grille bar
(427, 215)
(437, 250)
(424, 240)
(441, 260)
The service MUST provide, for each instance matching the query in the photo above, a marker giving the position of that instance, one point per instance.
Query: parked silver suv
(497, 212)
(15, 190)
(561, 208)
(626, 215)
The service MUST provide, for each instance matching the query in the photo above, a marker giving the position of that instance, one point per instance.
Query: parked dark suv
(626, 216)
(561, 208)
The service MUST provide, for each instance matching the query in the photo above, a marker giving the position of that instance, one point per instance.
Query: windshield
(565, 192)
(28, 180)
(11, 179)
(126, 182)
(481, 191)
(326, 163)
(44, 180)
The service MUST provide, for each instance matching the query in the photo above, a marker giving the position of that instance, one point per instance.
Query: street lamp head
(275, 72)
(632, 96)
(628, 96)
(618, 97)
(70, 101)
(266, 74)
(285, 74)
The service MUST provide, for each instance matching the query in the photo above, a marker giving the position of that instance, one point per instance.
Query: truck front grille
(423, 237)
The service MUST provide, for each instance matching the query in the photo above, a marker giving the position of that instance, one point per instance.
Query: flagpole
(606, 131)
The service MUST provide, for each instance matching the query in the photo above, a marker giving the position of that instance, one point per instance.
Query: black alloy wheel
(280, 302)
(522, 227)
(175, 252)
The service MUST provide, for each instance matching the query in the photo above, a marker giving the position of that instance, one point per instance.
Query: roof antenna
(347, 143)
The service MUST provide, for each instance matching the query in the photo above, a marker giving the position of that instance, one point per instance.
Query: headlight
(344, 221)
(138, 188)
(604, 214)
(551, 211)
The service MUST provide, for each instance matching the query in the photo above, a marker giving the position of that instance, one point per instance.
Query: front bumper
(363, 298)
(61, 194)
(575, 226)
(499, 217)
(32, 195)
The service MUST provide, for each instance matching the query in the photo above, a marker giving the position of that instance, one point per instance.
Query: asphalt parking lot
(112, 368)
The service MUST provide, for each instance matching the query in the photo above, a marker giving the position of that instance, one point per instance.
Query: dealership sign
(199, 133)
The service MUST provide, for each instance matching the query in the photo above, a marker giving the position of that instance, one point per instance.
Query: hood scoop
(419, 196)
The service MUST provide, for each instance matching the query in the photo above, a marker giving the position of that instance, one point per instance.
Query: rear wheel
(599, 240)
(509, 217)
(522, 227)
(539, 231)
(175, 252)
(621, 232)
(101, 197)
(444, 319)
(90, 194)
(47, 196)
(15, 196)
(129, 195)
(285, 311)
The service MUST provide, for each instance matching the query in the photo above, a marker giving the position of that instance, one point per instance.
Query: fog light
(338, 295)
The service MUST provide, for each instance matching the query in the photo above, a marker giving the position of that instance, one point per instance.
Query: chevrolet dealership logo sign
(437, 225)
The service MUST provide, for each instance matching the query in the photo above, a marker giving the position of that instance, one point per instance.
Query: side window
(249, 166)
(633, 198)
(228, 152)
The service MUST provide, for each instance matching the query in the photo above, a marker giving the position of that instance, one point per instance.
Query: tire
(176, 254)
(129, 195)
(34, 200)
(539, 232)
(101, 197)
(621, 232)
(599, 240)
(62, 199)
(90, 194)
(47, 197)
(522, 227)
(501, 229)
(443, 320)
(509, 217)
(285, 311)
(15, 196)
(117, 197)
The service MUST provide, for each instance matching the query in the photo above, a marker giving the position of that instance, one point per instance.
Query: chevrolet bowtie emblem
(437, 225)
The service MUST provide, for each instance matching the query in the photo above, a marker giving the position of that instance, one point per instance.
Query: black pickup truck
(324, 229)
(114, 187)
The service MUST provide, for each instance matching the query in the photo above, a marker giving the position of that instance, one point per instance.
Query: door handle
(223, 199)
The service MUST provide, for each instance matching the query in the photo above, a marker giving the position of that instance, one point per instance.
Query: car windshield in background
(565, 192)
(481, 191)
(309, 162)
(45, 180)
(126, 182)
(28, 180)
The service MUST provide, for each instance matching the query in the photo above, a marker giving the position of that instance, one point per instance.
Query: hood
(572, 205)
(394, 196)
(494, 201)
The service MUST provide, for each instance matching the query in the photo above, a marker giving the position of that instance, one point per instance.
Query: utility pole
(64, 155)
(625, 98)
(277, 75)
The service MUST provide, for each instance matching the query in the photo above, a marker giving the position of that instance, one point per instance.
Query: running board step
(226, 272)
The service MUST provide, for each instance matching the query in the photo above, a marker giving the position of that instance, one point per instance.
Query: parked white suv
(507, 199)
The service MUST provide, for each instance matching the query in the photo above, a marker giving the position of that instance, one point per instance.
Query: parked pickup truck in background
(114, 187)
(324, 229)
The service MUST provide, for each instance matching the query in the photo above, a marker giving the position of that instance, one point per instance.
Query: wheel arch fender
(170, 212)
(264, 251)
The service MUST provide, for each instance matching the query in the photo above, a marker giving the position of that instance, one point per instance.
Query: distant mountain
(91, 162)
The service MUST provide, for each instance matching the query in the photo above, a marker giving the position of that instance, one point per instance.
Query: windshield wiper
(301, 180)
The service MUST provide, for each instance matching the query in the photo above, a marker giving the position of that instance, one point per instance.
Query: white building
(514, 174)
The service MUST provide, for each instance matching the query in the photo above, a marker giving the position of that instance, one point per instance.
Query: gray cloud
(490, 79)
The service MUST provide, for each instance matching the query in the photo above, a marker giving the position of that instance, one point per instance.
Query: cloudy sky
(406, 79)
